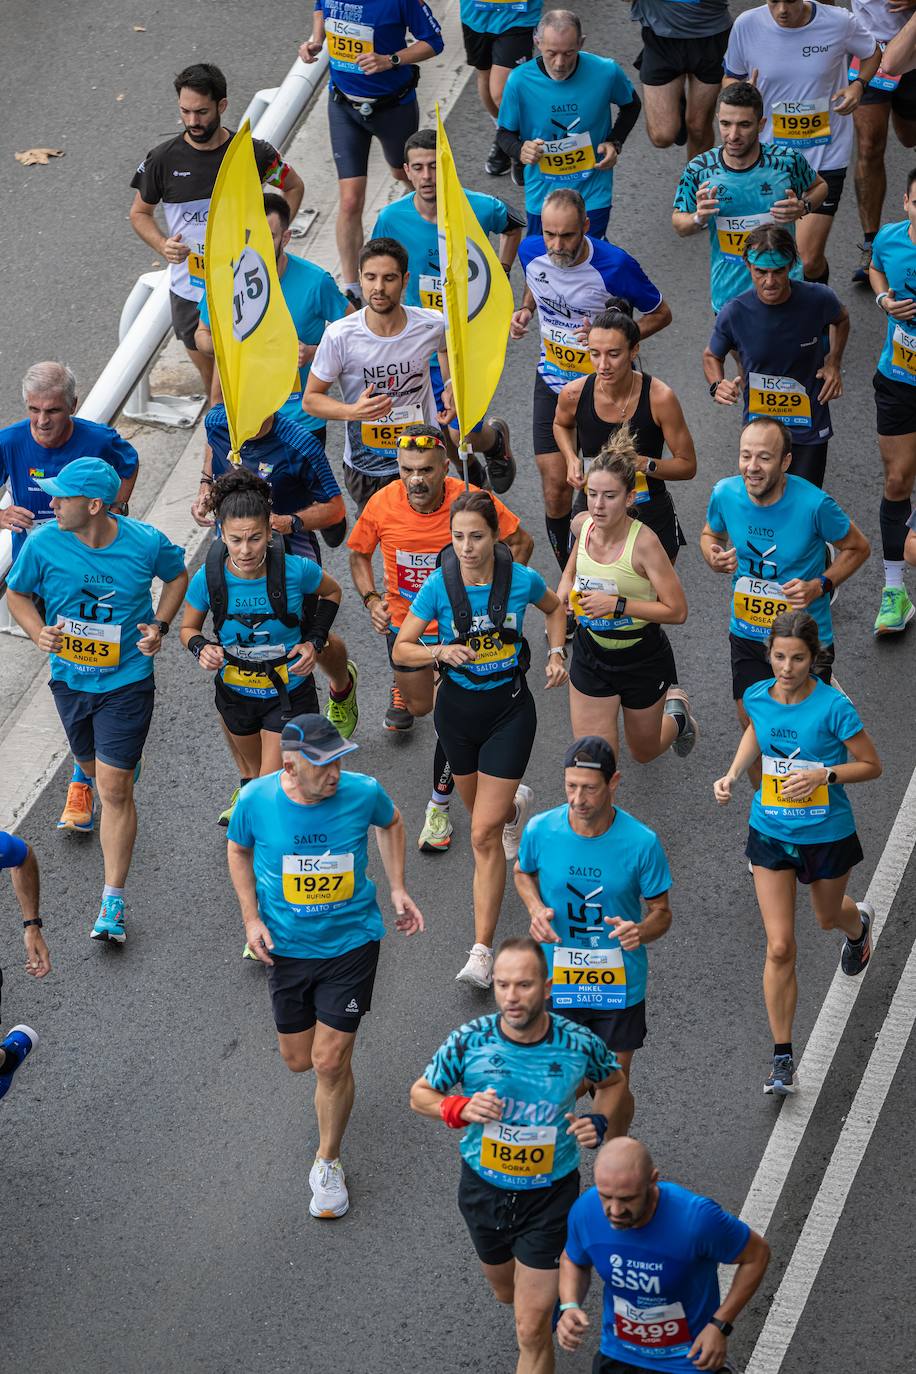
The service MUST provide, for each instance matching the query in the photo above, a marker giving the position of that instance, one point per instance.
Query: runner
(555, 120)
(778, 528)
(568, 279)
(731, 189)
(592, 409)
(680, 68)
(372, 94)
(380, 357)
(795, 52)
(790, 337)
(812, 744)
(890, 98)
(93, 572)
(632, 1222)
(298, 851)
(622, 588)
(510, 1080)
(412, 221)
(20, 859)
(497, 37)
(584, 871)
(181, 173)
(892, 277)
(263, 656)
(410, 520)
(485, 715)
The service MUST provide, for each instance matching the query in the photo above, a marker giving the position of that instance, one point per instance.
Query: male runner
(795, 52)
(372, 94)
(181, 173)
(893, 278)
(555, 120)
(497, 37)
(778, 528)
(298, 852)
(789, 337)
(410, 520)
(656, 1245)
(680, 68)
(412, 221)
(93, 572)
(380, 357)
(584, 871)
(568, 279)
(20, 859)
(510, 1081)
(738, 185)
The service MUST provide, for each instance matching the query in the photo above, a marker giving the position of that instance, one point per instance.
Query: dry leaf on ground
(33, 157)
(139, 28)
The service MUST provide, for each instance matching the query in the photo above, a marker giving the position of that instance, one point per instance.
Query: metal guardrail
(146, 322)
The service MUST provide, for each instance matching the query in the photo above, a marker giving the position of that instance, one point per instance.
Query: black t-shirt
(181, 178)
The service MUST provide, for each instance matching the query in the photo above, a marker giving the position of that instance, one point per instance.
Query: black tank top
(593, 432)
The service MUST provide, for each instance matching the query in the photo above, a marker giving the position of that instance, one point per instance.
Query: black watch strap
(161, 625)
(35, 921)
(725, 1327)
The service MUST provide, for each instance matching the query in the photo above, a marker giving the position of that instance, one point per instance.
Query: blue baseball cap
(91, 477)
(315, 737)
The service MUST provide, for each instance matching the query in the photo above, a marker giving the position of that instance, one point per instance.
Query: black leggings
(809, 461)
(489, 731)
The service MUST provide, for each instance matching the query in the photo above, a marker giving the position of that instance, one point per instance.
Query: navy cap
(591, 751)
(91, 477)
(316, 738)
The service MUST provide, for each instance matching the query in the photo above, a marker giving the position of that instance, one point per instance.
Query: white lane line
(817, 1233)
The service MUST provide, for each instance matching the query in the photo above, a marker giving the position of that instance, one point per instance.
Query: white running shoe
(478, 971)
(329, 1189)
(512, 832)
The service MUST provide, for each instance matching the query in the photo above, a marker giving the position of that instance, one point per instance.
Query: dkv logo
(250, 293)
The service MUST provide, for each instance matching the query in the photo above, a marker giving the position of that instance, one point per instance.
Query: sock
(558, 534)
(108, 891)
(783, 1049)
(321, 1159)
(893, 518)
(870, 237)
(859, 938)
(822, 279)
(893, 573)
(498, 447)
(342, 696)
(443, 782)
(79, 775)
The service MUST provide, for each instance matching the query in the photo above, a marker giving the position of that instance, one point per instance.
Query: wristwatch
(879, 298)
(831, 776)
(826, 586)
(560, 651)
(714, 386)
(394, 59)
(295, 525)
(807, 204)
(725, 1327)
(651, 466)
(161, 625)
(36, 921)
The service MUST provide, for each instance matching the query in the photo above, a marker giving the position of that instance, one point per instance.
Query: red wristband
(450, 1109)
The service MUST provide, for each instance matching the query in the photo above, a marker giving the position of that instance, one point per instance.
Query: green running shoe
(897, 610)
(436, 835)
(345, 714)
(226, 816)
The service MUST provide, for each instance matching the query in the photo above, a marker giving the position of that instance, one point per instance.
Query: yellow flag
(254, 338)
(476, 292)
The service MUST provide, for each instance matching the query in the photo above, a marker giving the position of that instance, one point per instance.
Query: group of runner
(451, 595)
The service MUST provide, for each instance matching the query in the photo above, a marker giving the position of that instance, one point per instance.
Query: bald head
(625, 1177)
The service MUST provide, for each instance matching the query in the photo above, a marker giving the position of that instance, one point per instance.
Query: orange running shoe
(79, 811)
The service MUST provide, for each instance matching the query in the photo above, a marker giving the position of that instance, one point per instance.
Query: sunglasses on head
(420, 441)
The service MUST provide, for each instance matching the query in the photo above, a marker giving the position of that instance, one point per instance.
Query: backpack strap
(217, 592)
(501, 586)
(276, 582)
(456, 592)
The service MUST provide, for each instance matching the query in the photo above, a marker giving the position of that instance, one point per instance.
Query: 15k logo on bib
(522, 1154)
(778, 398)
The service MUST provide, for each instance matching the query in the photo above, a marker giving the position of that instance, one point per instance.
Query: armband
(450, 1109)
(370, 596)
(599, 1121)
(322, 620)
(197, 644)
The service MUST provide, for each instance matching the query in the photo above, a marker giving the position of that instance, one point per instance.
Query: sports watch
(394, 59)
(725, 1327)
(831, 776)
(161, 625)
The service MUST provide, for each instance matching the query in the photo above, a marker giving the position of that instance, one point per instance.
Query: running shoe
(897, 610)
(478, 971)
(226, 816)
(436, 835)
(677, 705)
(860, 275)
(518, 173)
(17, 1044)
(345, 714)
(397, 717)
(856, 953)
(512, 830)
(79, 808)
(109, 924)
(782, 1079)
(329, 1189)
(500, 462)
(498, 162)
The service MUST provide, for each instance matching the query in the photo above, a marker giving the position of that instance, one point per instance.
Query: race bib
(608, 586)
(522, 1154)
(413, 570)
(511, 5)
(903, 354)
(774, 803)
(651, 1330)
(248, 680)
(778, 398)
(493, 655)
(381, 436)
(732, 232)
(90, 646)
(196, 267)
(431, 292)
(756, 605)
(565, 356)
(347, 43)
(881, 81)
(317, 879)
(567, 157)
(801, 123)
(589, 978)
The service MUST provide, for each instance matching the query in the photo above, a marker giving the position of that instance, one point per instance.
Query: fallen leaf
(38, 156)
(139, 28)
(120, 97)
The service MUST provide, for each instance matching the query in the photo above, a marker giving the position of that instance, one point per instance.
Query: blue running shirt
(745, 200)
(13, 851)
(98, 597)
(357, 28)
(314, 894)
(810, 734)
(529, 1147)
(496, 16)
(893, 252)
(583, 880)
(661, 1280)
(774, 545)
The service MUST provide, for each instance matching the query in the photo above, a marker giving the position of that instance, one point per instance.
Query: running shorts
(486, 732)
(529, 1225)
(809, 862)
(337, 992)
(639, 674)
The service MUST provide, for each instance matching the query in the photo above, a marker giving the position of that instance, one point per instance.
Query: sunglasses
(422, 441)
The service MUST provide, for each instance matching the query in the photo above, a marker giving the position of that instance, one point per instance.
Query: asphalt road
(157, 1150)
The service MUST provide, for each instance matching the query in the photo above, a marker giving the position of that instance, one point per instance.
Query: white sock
(108, 891)
(893, 572)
